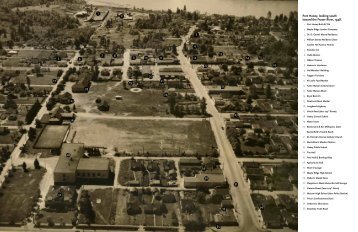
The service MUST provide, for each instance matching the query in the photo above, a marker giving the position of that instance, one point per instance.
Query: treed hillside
(42, 27)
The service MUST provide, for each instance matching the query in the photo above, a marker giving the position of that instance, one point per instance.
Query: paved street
(17, 150)
(247, 215)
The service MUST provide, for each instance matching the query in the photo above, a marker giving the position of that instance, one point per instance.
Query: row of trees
(31, 114)
(179, 110)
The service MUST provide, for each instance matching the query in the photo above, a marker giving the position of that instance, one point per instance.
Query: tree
(37, 69)
(10, 103)
(251, 65)
(172, 102)
(31, 114)
(185, 48)
(174, 49)
(203, 106)
(95, 74)
(224, 67)
(10, 44)
(20, 124)
(32, 133)
(37, 164)
(86, 208)
(269, 14)
(59, 72)
(268, 92)
(24, 166)
(50, 222)
(28, 81)
(249, 100)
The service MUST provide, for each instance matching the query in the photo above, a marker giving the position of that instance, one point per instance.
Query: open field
(152, 136)
(20, 195)
(228, 50)
(46, 79)
(25, 58)
(52, 136)
(148, 102)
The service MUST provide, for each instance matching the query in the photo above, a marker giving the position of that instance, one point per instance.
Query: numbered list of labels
(321, 132)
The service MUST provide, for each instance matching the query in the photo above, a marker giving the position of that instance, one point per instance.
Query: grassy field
(20, 195)
(152, 136)
(19, 60)
(34, 80)
(107, 205)
(52, 136)
(228, 50)
(146, 103)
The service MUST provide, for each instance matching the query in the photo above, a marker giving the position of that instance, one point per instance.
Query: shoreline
(257, 8)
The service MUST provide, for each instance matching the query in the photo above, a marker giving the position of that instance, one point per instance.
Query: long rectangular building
(205, 181)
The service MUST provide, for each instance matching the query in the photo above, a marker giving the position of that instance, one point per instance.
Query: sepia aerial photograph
(149, 115)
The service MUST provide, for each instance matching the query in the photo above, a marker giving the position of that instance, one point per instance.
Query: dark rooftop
(96, 164)
(70, 157)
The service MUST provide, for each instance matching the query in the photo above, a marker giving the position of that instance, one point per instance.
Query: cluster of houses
(58, 116)
(150, 56)
(221, 209)
(277, 212)
(260, 177)
(160, 173)
(266, 138)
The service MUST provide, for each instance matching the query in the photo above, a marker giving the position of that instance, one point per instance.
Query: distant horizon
(257, 8)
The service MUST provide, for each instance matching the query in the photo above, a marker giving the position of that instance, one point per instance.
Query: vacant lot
(24, 58)
(148, 102)
(228, 50)
(20, 58)
(52, 136)
(20, 195)
(46, 79)
(153, 136)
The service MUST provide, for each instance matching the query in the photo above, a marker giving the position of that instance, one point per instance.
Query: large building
(65, 171)
(71, 167)
(205, 181)
(93, 168)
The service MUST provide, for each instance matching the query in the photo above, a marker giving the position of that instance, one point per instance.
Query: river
(231, 7)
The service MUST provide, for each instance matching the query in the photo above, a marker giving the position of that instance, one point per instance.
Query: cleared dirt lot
(153, 136)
